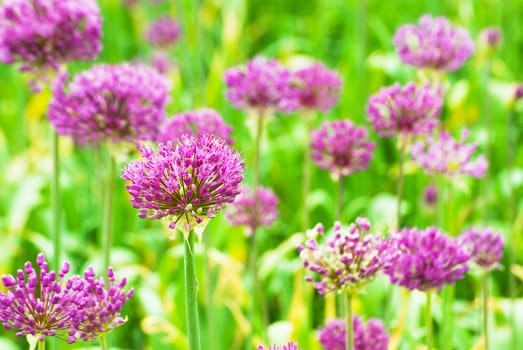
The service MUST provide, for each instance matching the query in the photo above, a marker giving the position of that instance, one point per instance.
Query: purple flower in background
(290, 346)
(449, 157)
(348, 260)
(112, 103)
(261, 85)
(485, 246)
(341, 147)
(370, 336)
(200, 121)
(434, 43)
(430, 195)
(490, 37)
(187, 181)
(318, 87)
(518, 92)
(254, 210)
(164, 32)
(404, 110)
(427, 259)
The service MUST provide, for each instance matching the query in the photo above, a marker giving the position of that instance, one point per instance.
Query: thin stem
(486, 109)
(55, 202)
(191, 290)
(428, 319)
(339, 204)
(485, 294)
(399, 185)
(208, 294)
(309, 117)
(257, 151)
(257, 289)
(511, 214)
(349, 334)
(447, 332)
(108, 213)
(103, 342)
(41, 345)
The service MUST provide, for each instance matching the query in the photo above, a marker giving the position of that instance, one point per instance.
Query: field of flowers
(247, 174)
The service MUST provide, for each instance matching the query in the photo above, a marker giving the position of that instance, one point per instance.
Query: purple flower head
(318, 87)
(518, 92)
(348, 260)
(112, 103)
(404, 110)
(490, 37)
(164, 32)
(430, 195)
(434, 43)
(254, 210)
(200, 121)
(427, 259)
(290, 346)
(187, 181)
(261, 85)
(341, 147)
(370, 336)
(162, 62)
(485, 246)
(449, 157)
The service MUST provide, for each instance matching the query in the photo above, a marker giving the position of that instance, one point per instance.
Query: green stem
(309, 117)
(511, 140)
(103, 342)
(257, 151)
(399, 185)
(485, 294)
(55, 202)
(107, 214)
(339, 203)
(428, 319)
(447, 332)
(193, 58)
(41, 345)
(208, 294)
(486, 109)
(191, 289)
(349, 334)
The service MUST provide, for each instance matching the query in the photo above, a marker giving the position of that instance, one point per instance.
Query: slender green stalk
(485, 295)
(191, 289)
(428, 319)
(339, 203)
(56, 202)
(486, 111)
(362, 23)
(103, 342)
(447, 332)
(399, 185)
(349, 335)
(334, 302)
(309, 117)
(41, 345)
(108, 213)
(511, 217)
(257, 151)
(208, 273)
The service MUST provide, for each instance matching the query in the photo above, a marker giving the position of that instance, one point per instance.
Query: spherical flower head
(404, 110)
(164, 32)
(318, 87)
(370, 336)
(434, 43)
(485, 246)
(290, 346)
(449, 157)
(490, 37)
(187, 181)
(113, 103)
(341, 147)
(427, 259)
(261, 85)
(200, 121)
(518, 92)
(348, 260)
(252, 210)
(430, 195)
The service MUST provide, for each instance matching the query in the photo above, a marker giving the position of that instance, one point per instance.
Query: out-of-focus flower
(404, 110)
(427, 259)
(261, 85)
(449, 157)
(187, 181)
(430, 195)
(341, 147)
(348, 260)
(318, 87)
(164, 32)
(200, 121)
(112, 103)
(485, 246)
(490, 37)
(252, 210)
(370, 336)
(290, 346)
(518, 92)
(434, 43)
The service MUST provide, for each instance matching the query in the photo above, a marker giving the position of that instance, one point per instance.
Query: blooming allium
(318, 87)
(164, 32)
(427, 259)
(290, 346)
(447, 156)
(187, 181)
(434, 43)
(518, 92)
(341, 147)
(110, 103)
(485, 246)
(200, 121)
(254, 210)
(405, 110)
(490, 37)
(370, 336)
(261, 85)
(348, 260)
(430, 195)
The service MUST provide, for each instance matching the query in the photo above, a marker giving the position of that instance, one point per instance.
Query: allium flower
(261, 85)
(370, 336)
(430, 195)
(164, 32)
(318, 87)
(518, 92)
(490, 37)
(187, 182)
(348, 260)
(434, 44)
(162, 62)
(290, 346)
(341, 147)
(405, 110)
(200, 121)
(427, 259)
(485, 246)
(110, 103)
(254, 210)
(449, 157)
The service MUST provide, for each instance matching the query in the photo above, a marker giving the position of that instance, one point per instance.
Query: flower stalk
(108, 213)
(55, 202)
(349, 345)
(484, 299)
(428, 319)
(191, 290)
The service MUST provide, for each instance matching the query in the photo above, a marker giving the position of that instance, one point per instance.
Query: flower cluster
(290, 346)
(318, 87)
(370, 336)
(404, 110)
(200, 121)
(341, 147)
(485, 246)
(187, 181)
(164, 32)
(261, 85)
(349, 259)
(449, 157)
(107, 103)
(434, 44)
(427, 259)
